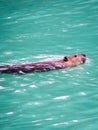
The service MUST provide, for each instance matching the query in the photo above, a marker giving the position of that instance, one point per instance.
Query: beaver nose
(84, 55)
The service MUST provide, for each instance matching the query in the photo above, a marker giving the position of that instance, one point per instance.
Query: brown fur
(68, 61)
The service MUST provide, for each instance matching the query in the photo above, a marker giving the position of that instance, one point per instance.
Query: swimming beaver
(67, 61)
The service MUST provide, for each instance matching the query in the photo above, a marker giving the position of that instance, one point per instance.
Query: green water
(37, 30)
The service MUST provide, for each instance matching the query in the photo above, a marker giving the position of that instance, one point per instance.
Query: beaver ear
(65, 59)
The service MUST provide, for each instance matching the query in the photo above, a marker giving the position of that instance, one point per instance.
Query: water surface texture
(38, 30)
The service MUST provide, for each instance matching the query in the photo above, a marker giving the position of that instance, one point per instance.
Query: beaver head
(75, 59)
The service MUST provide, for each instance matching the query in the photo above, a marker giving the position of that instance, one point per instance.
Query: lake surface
(38, 30)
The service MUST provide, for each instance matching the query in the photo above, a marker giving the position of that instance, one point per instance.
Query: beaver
(67, 61)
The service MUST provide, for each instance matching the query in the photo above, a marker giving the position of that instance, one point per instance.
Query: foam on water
(88, 61)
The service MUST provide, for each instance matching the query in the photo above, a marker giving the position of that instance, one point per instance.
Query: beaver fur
(67, 61)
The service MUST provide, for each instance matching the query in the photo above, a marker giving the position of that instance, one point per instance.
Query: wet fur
(68, 61)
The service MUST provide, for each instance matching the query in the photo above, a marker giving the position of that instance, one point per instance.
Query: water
(42, 30)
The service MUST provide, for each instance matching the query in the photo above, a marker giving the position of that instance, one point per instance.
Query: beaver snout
(83, 58)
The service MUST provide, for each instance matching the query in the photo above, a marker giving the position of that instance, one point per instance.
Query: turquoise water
(38, 30)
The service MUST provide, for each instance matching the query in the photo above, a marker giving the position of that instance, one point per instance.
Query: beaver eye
(65, 58)
(75, 55)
